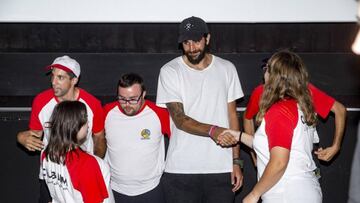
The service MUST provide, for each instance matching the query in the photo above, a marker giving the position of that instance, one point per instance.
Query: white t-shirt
(83, 178)
(135, 147)
(283, 126)
(44, 104)
(205, 95)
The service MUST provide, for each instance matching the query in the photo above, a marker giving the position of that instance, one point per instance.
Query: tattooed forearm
(186, 123)
(176, 110)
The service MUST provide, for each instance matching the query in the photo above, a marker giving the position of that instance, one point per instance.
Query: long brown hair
(66, 121)
(288, 78)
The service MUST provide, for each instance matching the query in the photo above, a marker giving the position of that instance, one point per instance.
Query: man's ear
(144, 94)
(207, 39)
(74, 81)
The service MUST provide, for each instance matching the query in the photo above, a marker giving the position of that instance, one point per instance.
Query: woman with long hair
(71, 174)
(284, 140)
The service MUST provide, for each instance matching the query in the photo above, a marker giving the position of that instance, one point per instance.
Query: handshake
(225, 137)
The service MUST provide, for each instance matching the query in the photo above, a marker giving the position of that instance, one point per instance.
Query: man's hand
(31, 140)
(328, 153)
(340, 116)
(225, 137)
(236, 178)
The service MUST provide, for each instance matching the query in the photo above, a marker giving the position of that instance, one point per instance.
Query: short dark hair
(71, 74)
(180, 44)
(129, 79)
(66, 121)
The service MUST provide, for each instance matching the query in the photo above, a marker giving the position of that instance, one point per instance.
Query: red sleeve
(96, 108)
(253, 106)
(164, 117)
(322, 102)
(43, 156)
(98, 119)
(280, 122)
(108, 107)
(38, 103)
(88, 179)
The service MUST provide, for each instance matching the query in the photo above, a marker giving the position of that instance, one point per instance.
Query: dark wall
(105, 51)
(162, 37)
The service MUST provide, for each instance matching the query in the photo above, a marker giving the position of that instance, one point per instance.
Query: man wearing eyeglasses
(135, 129)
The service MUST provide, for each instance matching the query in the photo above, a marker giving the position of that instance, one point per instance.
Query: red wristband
(212, 130)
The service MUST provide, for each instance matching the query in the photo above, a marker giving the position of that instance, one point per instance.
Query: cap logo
(188, 26)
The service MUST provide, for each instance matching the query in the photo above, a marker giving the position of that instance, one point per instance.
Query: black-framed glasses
(123, 100)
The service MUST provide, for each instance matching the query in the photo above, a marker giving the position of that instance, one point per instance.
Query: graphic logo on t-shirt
(145, 134)
(55, 178)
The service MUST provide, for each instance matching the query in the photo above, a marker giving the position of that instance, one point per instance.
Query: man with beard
(200, 91)
(135, 130)
(65, 73)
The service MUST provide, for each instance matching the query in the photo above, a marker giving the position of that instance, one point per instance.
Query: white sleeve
(168, 87)
(105, 170)
(235, 91)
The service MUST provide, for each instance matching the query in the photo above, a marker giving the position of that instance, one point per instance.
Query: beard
(130, 110)
(58, 92)
(197, 59)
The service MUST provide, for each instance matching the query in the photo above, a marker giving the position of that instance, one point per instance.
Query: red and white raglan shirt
(44, 104)
(284, 126)
(83, 178)
(135, 147)
(321, 101)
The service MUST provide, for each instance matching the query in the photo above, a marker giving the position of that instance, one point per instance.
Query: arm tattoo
(176, 110)
(184, 122)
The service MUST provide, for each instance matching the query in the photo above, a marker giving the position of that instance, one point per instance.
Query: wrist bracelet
(241, 132)
(212, 130)
(238, 161)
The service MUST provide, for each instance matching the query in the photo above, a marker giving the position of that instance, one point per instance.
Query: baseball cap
(192, 28)
(67, 64)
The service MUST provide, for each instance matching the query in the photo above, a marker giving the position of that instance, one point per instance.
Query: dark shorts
(154, 195)
(198, 188)
(45, 196)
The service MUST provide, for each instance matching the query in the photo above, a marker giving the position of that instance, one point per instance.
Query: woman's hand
(251, 198)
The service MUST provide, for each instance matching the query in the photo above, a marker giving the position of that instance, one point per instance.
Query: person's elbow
(339, 109)
(279, 158)
(281, 164)
(180, 124)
